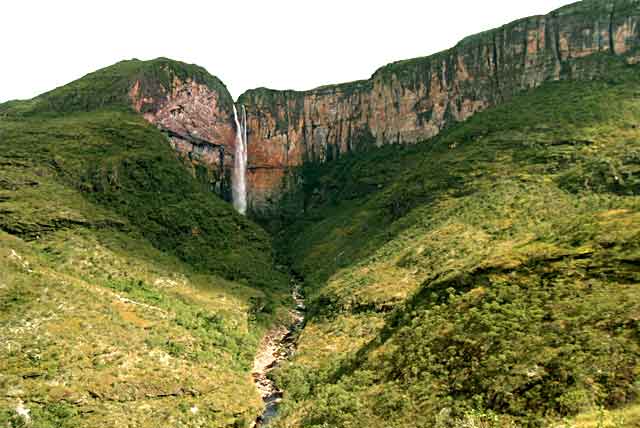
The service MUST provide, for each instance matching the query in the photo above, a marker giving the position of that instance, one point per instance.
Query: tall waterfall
(239, 182)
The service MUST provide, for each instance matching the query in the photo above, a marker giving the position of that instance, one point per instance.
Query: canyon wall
(197, 117)
(402, 103)
(413, 100)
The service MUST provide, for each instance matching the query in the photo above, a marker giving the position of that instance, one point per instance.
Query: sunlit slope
(130, 295)
(488, 276)
(99, 329)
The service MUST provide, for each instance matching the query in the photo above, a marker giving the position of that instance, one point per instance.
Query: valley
(453, 243)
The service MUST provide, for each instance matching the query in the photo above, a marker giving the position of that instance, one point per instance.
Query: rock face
(402, 103)
(198, 120)
(413, 100)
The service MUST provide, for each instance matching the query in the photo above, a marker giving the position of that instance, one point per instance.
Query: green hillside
(485, 278)
(488, 277)
(130, 295)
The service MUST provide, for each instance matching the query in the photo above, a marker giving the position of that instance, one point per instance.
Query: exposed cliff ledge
(413, 100)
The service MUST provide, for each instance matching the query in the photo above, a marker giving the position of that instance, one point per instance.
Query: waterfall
(239, 182)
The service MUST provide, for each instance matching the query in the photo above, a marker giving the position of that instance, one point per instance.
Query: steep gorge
(409, 247)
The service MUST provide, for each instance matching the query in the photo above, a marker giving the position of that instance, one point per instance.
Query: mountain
(465, 227)
(130, 293)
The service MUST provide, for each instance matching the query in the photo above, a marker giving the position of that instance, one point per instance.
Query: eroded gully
(278, 345)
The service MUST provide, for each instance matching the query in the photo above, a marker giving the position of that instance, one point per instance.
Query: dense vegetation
(129, 293)
(488, 277)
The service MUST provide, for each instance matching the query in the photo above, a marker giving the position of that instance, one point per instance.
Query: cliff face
(409, 101)
(198, 120)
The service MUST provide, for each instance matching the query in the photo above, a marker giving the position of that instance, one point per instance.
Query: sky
(280, 44)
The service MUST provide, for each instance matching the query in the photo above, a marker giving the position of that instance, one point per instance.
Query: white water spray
(239, 182)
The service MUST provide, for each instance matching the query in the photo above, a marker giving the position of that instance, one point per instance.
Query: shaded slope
(488, 276)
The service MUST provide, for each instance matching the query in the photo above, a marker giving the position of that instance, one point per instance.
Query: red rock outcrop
(198, 119)
(411, 101)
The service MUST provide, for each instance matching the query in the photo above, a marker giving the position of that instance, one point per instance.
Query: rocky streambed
(278, 345)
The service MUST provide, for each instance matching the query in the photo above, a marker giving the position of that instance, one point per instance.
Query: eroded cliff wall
(413, 100)
(197, 117)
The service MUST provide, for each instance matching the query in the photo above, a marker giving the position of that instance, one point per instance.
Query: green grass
(488, 276)
(100, 328)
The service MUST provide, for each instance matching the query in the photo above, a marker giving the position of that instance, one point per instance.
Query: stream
(278, 345)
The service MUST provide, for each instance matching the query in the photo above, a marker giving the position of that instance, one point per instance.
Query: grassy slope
(488, 277)
(128, 293)
(109, 88)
